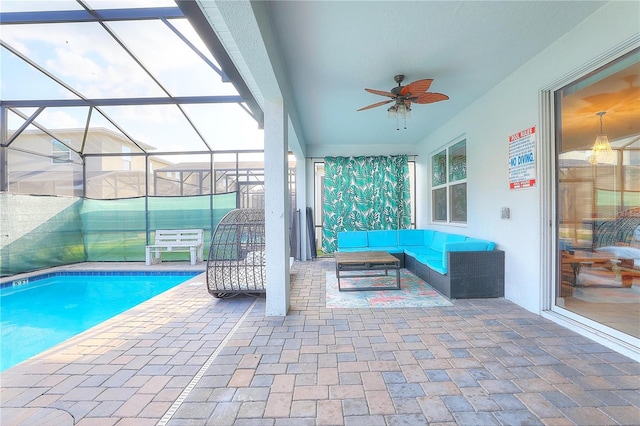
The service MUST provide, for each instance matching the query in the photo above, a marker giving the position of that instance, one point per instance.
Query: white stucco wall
(512, 106)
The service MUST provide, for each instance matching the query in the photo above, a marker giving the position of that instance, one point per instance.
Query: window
(60, 153)
(449, 184)
(126, 159)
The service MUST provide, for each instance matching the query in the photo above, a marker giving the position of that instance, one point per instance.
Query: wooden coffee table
(366, 261)
(579, 258)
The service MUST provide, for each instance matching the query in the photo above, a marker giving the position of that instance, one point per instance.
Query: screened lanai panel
(114, 230)
(226, 126)
(186, 29)
(39, 232)
(104, 137)
(65, 123)
(225, 172)
(180, 212)
(15, 72)
(84, 56)
(109, 177)
(50, 179)
(163, 128)
(170, 59)
(180, 175)
(16, 117)
(39, 164)
(251, 180)
(196, 212)
(40, 6)
(102, 140)
(121, 4)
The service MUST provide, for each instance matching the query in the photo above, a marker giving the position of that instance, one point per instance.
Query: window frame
(444, 183)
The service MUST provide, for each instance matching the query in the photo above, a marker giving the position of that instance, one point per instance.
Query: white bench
(176, 240)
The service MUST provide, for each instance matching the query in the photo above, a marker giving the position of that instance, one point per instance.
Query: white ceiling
(332, 50)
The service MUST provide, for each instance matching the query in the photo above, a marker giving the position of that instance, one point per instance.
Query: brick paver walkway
(185, 358)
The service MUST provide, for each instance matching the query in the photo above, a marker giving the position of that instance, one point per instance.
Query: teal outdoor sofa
(457, 266)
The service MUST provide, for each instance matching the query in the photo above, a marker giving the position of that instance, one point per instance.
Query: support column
(4, 135)
(301, 184)
(276, 208)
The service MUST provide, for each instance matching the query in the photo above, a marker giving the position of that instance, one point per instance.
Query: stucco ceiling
(332, 50)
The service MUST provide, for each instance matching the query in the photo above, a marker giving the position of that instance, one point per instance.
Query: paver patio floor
(185, 358)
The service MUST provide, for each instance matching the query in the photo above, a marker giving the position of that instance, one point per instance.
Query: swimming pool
(48, 309)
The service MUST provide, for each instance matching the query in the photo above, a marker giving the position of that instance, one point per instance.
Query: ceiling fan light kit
(403, 96)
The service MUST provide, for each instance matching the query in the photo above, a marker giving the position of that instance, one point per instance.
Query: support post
(276, 208)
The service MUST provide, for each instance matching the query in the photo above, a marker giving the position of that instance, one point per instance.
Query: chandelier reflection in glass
(601, 151)
(400, 111)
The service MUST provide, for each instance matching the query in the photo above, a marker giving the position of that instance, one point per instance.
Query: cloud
(59, 119)
(87, 58)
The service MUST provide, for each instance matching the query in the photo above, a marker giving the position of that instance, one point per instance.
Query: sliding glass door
(598, 196)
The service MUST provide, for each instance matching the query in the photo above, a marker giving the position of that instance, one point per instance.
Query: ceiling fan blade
(429, 98)
(417, 87)
(377, 104)
(381, 93)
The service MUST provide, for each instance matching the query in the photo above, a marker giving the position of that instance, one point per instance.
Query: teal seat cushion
(388, 249)
(352, 239)
(437, 266)
(384, 238)
(352, 249)
(423, 254)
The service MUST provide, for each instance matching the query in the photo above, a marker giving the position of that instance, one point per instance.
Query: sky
(85, 57)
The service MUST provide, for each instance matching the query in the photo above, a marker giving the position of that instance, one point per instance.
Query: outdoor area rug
(414, 292)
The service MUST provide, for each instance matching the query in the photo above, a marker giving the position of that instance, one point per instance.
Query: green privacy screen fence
(42, 232)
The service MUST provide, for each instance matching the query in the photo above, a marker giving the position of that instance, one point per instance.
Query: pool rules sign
(522, 160)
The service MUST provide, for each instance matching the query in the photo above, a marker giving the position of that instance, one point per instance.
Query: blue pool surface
(50, 309)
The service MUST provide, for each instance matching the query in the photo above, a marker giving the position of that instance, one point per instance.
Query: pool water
(48, 310)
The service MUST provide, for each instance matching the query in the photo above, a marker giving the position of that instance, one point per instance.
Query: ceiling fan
(403, 96)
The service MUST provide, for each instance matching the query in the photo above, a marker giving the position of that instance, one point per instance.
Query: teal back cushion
(428, 237)
(440, 238)
(411, 237)
(490, 245)
(352, 239)
(382, 238)
(437, 243)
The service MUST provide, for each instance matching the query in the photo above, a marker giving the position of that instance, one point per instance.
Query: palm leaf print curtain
(364, 193)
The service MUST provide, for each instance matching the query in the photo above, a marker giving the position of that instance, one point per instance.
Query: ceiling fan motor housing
(398, 79)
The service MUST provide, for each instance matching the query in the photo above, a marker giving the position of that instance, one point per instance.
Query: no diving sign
(522, 160)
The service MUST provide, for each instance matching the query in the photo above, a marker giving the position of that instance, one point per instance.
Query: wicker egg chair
(620, 231)
(236, 262)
